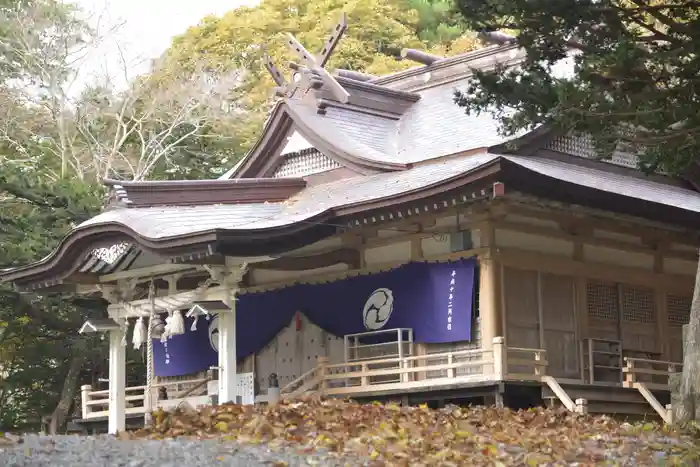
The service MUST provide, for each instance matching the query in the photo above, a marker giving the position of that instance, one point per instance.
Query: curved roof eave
(281, 120)
(344, 156)
(69, 248)
(73, 246)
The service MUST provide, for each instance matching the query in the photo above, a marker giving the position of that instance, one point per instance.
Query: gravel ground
(103, 451)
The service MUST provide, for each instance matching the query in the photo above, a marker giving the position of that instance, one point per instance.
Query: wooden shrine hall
(380, 244)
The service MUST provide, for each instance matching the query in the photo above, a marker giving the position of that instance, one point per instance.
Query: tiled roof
(435, 126)
(362, 135)
(634, 185)
(169, 221)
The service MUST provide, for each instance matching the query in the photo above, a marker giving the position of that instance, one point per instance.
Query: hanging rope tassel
(126, 330)
(140, 331)
(168, 325)
(177, 324)
(194, 323)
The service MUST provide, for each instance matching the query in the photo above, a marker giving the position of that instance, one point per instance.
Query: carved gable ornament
(308, 73)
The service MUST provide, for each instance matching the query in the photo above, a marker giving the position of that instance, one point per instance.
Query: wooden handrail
(299, 379)
(391, 371)
(105, 392)
(560, 393)
(523, 349)
(308, 386)
(654, 362)
(194, 388)
(432, 356)
(631, 371)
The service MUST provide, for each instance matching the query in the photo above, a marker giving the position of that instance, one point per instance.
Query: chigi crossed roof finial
(310, 73)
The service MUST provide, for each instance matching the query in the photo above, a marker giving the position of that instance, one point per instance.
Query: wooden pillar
(85, 391)
(662, 337)
(489, 290)
(660, 294)
(117, 382)
(420, 349)
(227, 350)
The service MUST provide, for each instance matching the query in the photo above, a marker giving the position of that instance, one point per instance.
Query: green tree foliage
(38, 342)
(634, 77)
(236, 43)
(634, 81)
(439, 22)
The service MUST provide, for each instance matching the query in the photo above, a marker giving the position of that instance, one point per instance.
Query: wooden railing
(365, 377)
(421, 371)
(373, 375)
(647, 375)
(96, 403)
(653, 373)
(306, 382)
(521, 364)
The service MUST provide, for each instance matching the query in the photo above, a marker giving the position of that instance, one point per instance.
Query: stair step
(613, 408)
(603, 394)
(644, 411)
(609, 400)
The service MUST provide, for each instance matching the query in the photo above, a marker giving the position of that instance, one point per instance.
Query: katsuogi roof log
(420, 57)
(356, 75)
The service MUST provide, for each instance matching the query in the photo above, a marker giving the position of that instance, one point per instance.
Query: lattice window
(678, 310)
(575, 145)
(638, 304)
(305, 162)
(602, 300)
(582, 146)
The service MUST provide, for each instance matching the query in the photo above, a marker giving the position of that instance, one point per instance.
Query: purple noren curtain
(434, 299)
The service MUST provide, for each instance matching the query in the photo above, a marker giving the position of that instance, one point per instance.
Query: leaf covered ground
(391, 435)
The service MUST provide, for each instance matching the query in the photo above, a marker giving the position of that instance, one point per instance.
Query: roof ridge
(444, 63)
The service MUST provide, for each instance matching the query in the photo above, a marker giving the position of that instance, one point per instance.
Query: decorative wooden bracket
(311, 69)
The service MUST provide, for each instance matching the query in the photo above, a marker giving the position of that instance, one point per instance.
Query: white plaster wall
(532, 221)
(390, 233)
(390, 253)
(599, 254)
(536, 243)
(634, 239)
(684, 248)
(679, 266)
(477, 238)
(435, 245)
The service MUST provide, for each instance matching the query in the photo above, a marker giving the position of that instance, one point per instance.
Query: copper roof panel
(634, 185)
(169, 221)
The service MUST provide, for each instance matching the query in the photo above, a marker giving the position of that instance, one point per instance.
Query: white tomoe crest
(378, 308)
(214, 333)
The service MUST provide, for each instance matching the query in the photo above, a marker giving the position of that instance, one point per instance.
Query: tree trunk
(70, 384)
(688, 408)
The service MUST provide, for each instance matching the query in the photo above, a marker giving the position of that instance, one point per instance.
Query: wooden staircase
(612, 400)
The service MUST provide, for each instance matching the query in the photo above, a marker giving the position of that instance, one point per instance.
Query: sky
(142, 30)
